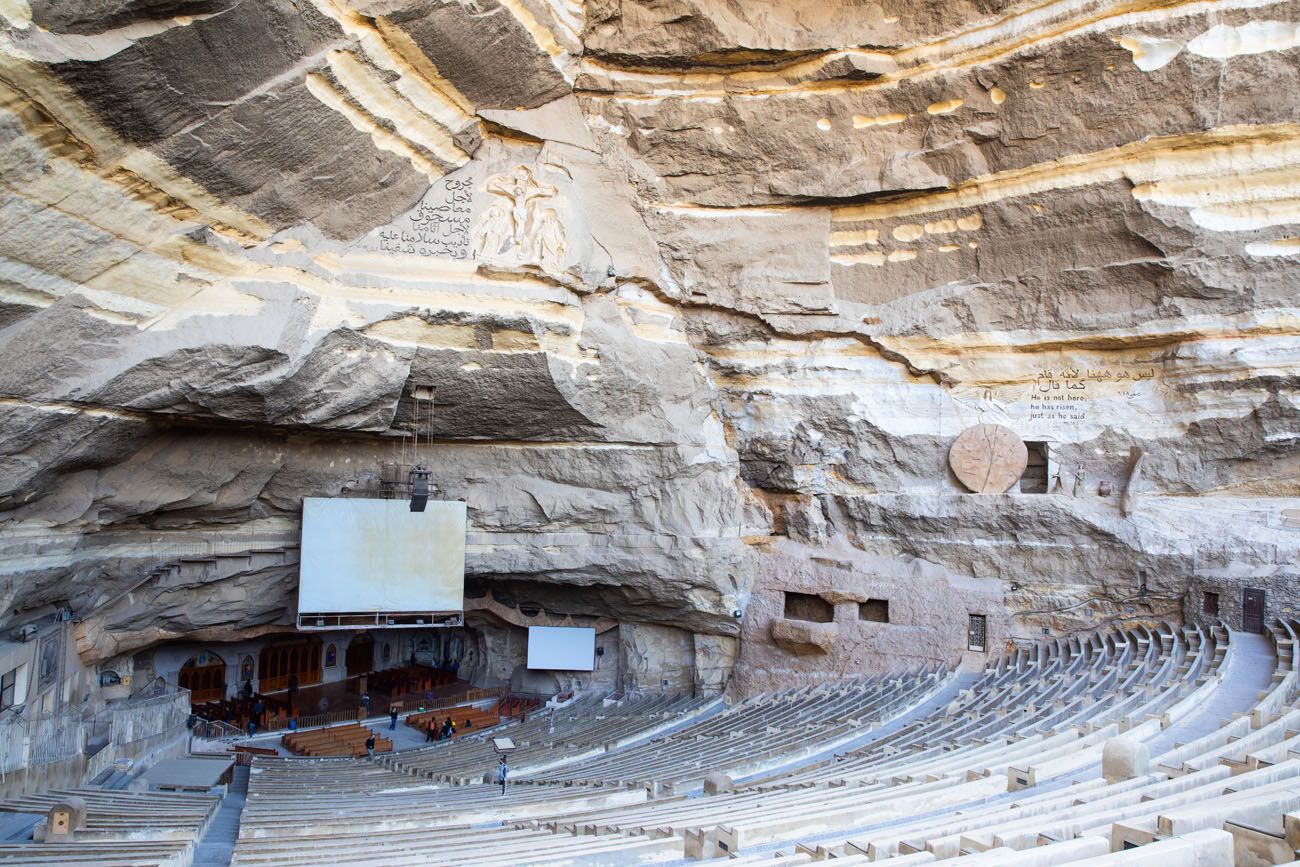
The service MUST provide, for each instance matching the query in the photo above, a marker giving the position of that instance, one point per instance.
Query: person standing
(370, 745)
(365, 701)
(503, 773)
(392, 718)
(431, 730)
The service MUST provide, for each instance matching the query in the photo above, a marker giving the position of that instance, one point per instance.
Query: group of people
(434, 732)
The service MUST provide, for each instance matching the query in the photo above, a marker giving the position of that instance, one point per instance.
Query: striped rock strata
(704, 291)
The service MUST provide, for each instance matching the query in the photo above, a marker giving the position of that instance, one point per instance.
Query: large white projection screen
(567, 648)
(378, 556)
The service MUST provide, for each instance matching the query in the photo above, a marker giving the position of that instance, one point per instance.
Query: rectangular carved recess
(875, 610)
(1034, 480)
(808, 606)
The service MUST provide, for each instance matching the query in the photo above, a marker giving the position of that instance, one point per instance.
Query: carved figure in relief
(519, 225)
(548, 242)
(493, 230)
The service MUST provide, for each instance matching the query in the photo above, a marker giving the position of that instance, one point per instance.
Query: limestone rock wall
(704, 292)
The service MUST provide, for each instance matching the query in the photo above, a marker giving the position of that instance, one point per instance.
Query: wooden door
(1252, 610)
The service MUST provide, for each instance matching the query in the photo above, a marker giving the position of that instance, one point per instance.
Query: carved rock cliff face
(704, 292)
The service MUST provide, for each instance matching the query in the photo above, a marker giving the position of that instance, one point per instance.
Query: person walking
(392, 718)
(503, 773)
(370, 745)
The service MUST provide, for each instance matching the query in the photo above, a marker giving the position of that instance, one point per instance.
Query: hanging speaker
(419, 489)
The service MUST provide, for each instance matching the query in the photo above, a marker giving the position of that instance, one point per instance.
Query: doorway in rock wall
(204, 675)
(1252, 610)
(360, 658)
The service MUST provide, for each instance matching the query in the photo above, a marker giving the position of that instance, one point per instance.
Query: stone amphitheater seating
(134, 829)
(1008, 774)
(341, 740)
(953, 757)
(1203, 786)
(361, 813)
(760, 733)
(546, 738)
(98, 854)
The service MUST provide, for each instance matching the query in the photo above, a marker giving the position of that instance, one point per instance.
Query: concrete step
(217, 845)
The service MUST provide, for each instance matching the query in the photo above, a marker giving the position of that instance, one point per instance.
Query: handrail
(216, 730)
(469, 697)
(318, 720)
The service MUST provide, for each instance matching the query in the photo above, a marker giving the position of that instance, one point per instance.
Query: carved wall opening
(808, 606)
(204, 676)
(360, 655)
(1252, 610)
(13, 687)
(874, 610)
(977, 633)
(1034, 478)
(1210, 603)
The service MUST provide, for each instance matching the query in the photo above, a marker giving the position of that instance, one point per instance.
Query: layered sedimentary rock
(704, 292)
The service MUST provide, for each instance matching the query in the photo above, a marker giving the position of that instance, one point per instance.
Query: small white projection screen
(379, 556)
(567, 648)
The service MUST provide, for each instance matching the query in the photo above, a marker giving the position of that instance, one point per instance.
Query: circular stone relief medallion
(988, 458)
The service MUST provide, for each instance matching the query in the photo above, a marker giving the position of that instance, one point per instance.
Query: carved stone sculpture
(519, 226)
(988, 458)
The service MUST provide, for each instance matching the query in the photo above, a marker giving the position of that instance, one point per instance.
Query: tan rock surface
(756, 280)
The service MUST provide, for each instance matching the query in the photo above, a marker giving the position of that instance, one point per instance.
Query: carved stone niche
(988, 458)
(803, 638)
(64, 820)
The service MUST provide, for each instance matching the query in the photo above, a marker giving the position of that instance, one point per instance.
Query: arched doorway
(204, 675)
(361, 655)
(277, 663)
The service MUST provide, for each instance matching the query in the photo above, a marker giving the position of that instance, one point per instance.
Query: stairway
(1247, 673)
(216, 846)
